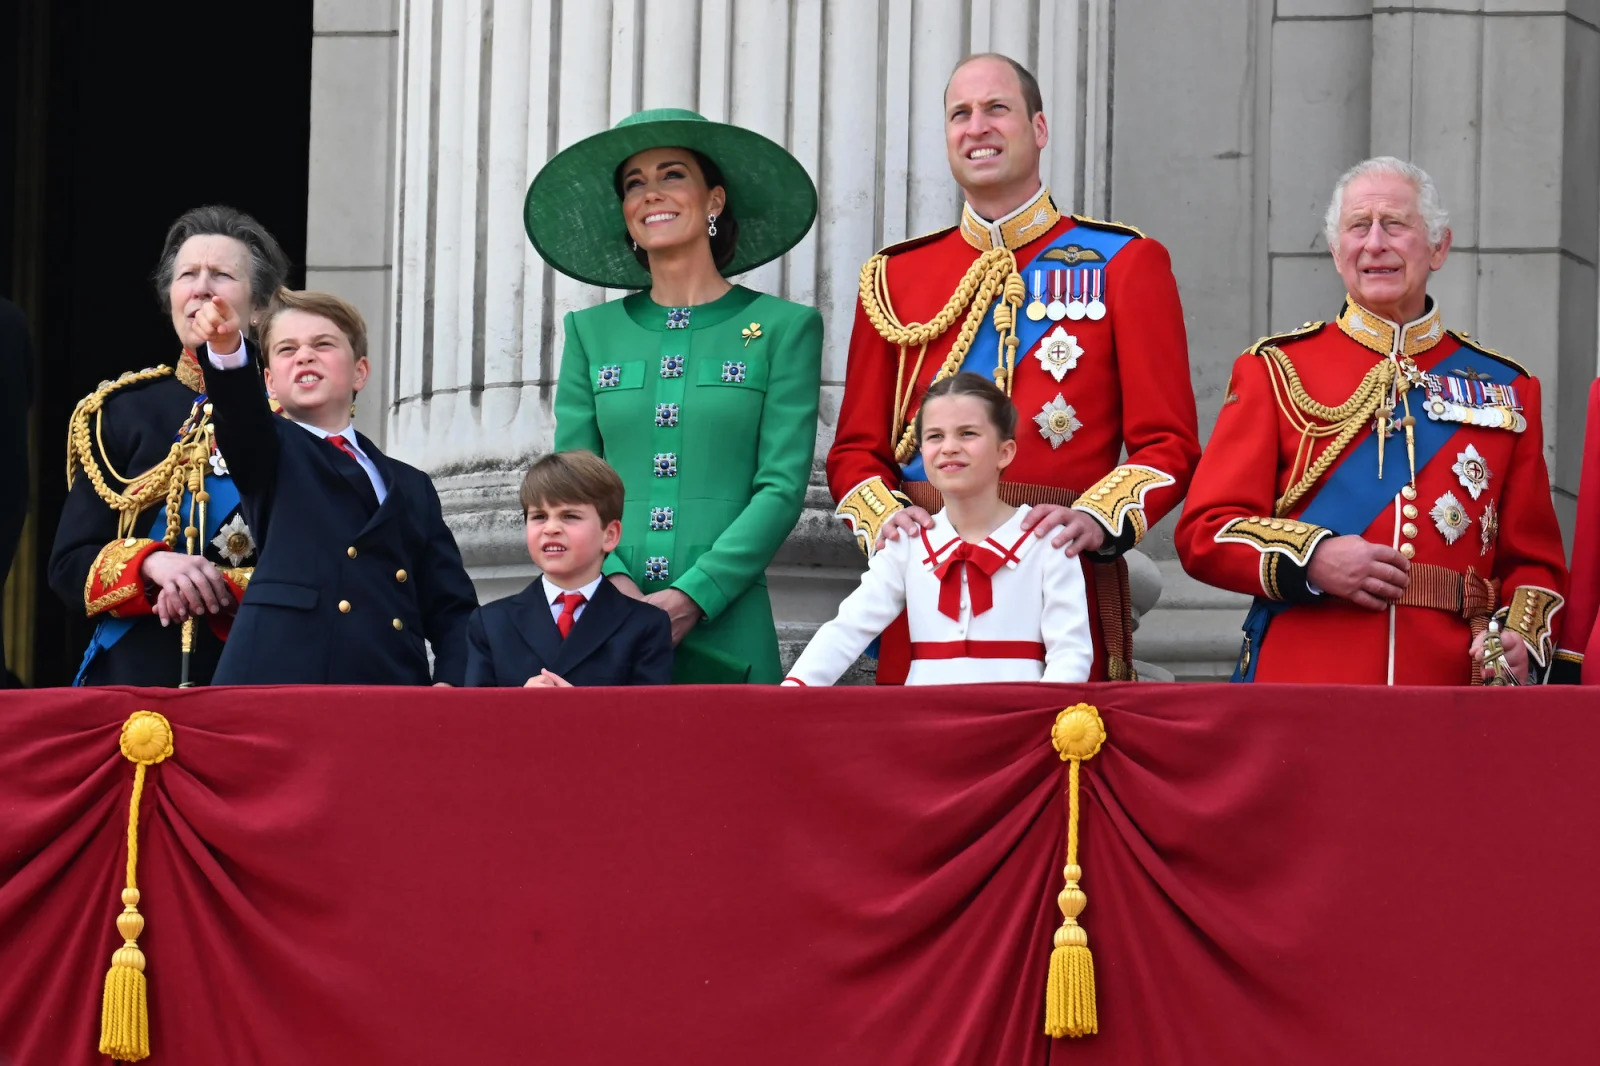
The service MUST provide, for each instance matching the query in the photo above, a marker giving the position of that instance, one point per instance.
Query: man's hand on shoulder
(1368, 575)
(1075, 531)
(909, 521)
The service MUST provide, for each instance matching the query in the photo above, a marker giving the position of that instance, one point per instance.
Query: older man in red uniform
(1078, 320)
(1379, 484)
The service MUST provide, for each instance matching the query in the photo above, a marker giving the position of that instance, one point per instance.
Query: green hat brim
(574, 218)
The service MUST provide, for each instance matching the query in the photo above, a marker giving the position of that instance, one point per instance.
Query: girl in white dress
(985, 601)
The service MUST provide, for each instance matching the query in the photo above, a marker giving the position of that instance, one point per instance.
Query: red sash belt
(978, 649)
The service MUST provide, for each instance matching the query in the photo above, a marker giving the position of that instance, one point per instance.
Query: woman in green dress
(701, 393)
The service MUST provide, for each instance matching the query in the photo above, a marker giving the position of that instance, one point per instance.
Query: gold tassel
(1069, 1003)
(124, 1010)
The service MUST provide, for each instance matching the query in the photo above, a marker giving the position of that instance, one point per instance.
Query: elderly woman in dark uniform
(150, 507)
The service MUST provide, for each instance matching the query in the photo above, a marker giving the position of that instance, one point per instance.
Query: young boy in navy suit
(355, 567)
(570, 627)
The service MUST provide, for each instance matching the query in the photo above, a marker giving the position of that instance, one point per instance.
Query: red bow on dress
(980, 564)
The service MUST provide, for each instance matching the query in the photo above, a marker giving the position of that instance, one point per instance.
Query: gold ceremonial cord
(994, 273)
(86, 451)
(1342, 422)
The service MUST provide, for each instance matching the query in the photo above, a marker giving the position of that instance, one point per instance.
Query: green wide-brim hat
(574, 217)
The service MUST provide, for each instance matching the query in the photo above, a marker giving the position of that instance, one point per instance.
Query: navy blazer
(617, 640)
(345, 591)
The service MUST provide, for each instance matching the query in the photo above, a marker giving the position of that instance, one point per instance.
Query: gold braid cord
(993, 274)
(183, 467)
(1304, 413)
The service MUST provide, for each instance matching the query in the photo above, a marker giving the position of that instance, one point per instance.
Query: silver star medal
(1472, 471)
(219, 465)
(1058, 353)
(1449, 517)
(233, 541)
(1057, 421)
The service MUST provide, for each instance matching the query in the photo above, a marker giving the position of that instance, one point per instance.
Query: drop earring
(634, 243)
(711, 228)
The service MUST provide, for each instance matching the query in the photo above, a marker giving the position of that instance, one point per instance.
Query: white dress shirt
(1039, 599)
(552, 591)
(235, 360)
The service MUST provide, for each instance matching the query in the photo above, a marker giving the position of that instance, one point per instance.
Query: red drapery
(734, 875)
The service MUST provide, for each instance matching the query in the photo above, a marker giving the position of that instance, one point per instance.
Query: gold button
(1409, 529)
(400, 575)
(1408, 550)
(1408, 492)
(344, 606)
(1302, 529)
(351, 551)
(399, 624)
(1409, 510)
(130, 542)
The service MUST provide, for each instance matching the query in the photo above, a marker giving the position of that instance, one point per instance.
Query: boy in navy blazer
(355, 568)
(570, 627)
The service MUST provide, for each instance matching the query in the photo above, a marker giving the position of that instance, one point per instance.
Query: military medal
(1058, 353)
(1075, 305)
(1488, 528)
(1097, 308)
(1449, 517)
(1036, 308)
(1057, 421)
(1471, 471)
(1058, 288)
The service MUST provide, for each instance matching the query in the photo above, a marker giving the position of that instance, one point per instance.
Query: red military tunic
(1580, 637)
(1128, 385)
(1478, 511)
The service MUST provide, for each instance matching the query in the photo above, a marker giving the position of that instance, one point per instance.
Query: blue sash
(980, 357)
(224, 500)
(1351, 498)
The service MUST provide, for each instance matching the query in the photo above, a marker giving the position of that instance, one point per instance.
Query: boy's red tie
(338, 441)
(570, 602)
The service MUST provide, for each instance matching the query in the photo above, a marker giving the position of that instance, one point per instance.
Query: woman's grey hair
(269, 267)
(1434, 216)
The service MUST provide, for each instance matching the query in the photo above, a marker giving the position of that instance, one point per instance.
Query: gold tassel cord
(989, 277)
(124, 1010)
(1069, 1003)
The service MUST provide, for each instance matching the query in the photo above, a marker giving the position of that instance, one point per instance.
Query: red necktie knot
(570, 602)
(338, 441)
(979, 563)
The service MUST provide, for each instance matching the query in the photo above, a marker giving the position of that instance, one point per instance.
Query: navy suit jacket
(345, 591)
(617, 640)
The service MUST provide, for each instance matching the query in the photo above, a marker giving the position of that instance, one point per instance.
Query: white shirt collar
(552, 591)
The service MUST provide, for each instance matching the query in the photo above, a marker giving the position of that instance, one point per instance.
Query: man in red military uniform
(1379, 484)
(1078, 320)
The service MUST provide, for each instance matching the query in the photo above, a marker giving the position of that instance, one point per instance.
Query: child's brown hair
(573, 477)
(340, 312)
(1002, 413)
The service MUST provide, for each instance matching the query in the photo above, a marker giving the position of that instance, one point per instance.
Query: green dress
(712, 422)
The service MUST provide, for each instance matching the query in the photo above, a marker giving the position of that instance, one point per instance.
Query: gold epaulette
(1115, 227)
(915, 242)
(1466, 340)
(1305, 330)
(78, 452)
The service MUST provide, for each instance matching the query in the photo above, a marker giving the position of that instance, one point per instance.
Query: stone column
(1500, 101)
(490, 89)
(350, 205)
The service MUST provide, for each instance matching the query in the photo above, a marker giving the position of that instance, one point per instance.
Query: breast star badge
(1472, 471)
(1449, 517)
(1057, 421)
(1488, 528)
(233, 541)
(1058, 352)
